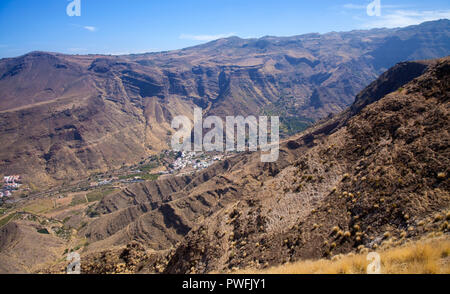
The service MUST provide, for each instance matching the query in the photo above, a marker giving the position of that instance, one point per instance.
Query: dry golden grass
(421, 257)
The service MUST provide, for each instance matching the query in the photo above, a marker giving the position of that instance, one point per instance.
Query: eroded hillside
(373, 175)
(65, 117)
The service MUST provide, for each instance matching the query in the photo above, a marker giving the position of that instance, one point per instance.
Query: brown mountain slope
(373, 176)
(23, 249)
(64, 117)
(161, 213)
(383, 174)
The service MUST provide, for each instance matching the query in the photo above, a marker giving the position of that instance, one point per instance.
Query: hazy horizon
(145, 27)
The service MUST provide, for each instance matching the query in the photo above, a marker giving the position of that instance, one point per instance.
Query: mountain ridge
(72, 106)
(380, 178)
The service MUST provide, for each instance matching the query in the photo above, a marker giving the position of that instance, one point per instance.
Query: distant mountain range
(64, 117)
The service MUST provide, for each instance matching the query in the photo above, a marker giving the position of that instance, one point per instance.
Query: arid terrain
(65, 118)
(373, 177)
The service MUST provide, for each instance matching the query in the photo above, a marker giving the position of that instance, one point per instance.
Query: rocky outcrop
(383, 174)
(354, 182)
(64, 117)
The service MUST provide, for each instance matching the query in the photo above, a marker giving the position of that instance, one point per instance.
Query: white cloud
(205, 37)
(403, 18)
(90, 28)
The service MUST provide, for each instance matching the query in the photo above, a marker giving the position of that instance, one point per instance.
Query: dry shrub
(421, 257)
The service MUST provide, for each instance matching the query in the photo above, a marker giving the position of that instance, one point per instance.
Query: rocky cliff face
(381, 176)
(374, 174)
(63, 117)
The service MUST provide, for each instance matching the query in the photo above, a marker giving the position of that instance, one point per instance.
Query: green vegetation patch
(98, 195)
(63, 232)
(6, 219)
(43, 231)
(293, 125)
(143, 176)
(148, 167)
(78, 199)
(40, 206)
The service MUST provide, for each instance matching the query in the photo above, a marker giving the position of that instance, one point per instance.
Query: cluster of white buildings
(10, 183)
(183, 161)
(192, 159)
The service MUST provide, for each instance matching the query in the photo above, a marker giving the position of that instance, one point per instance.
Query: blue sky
(136, 26)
